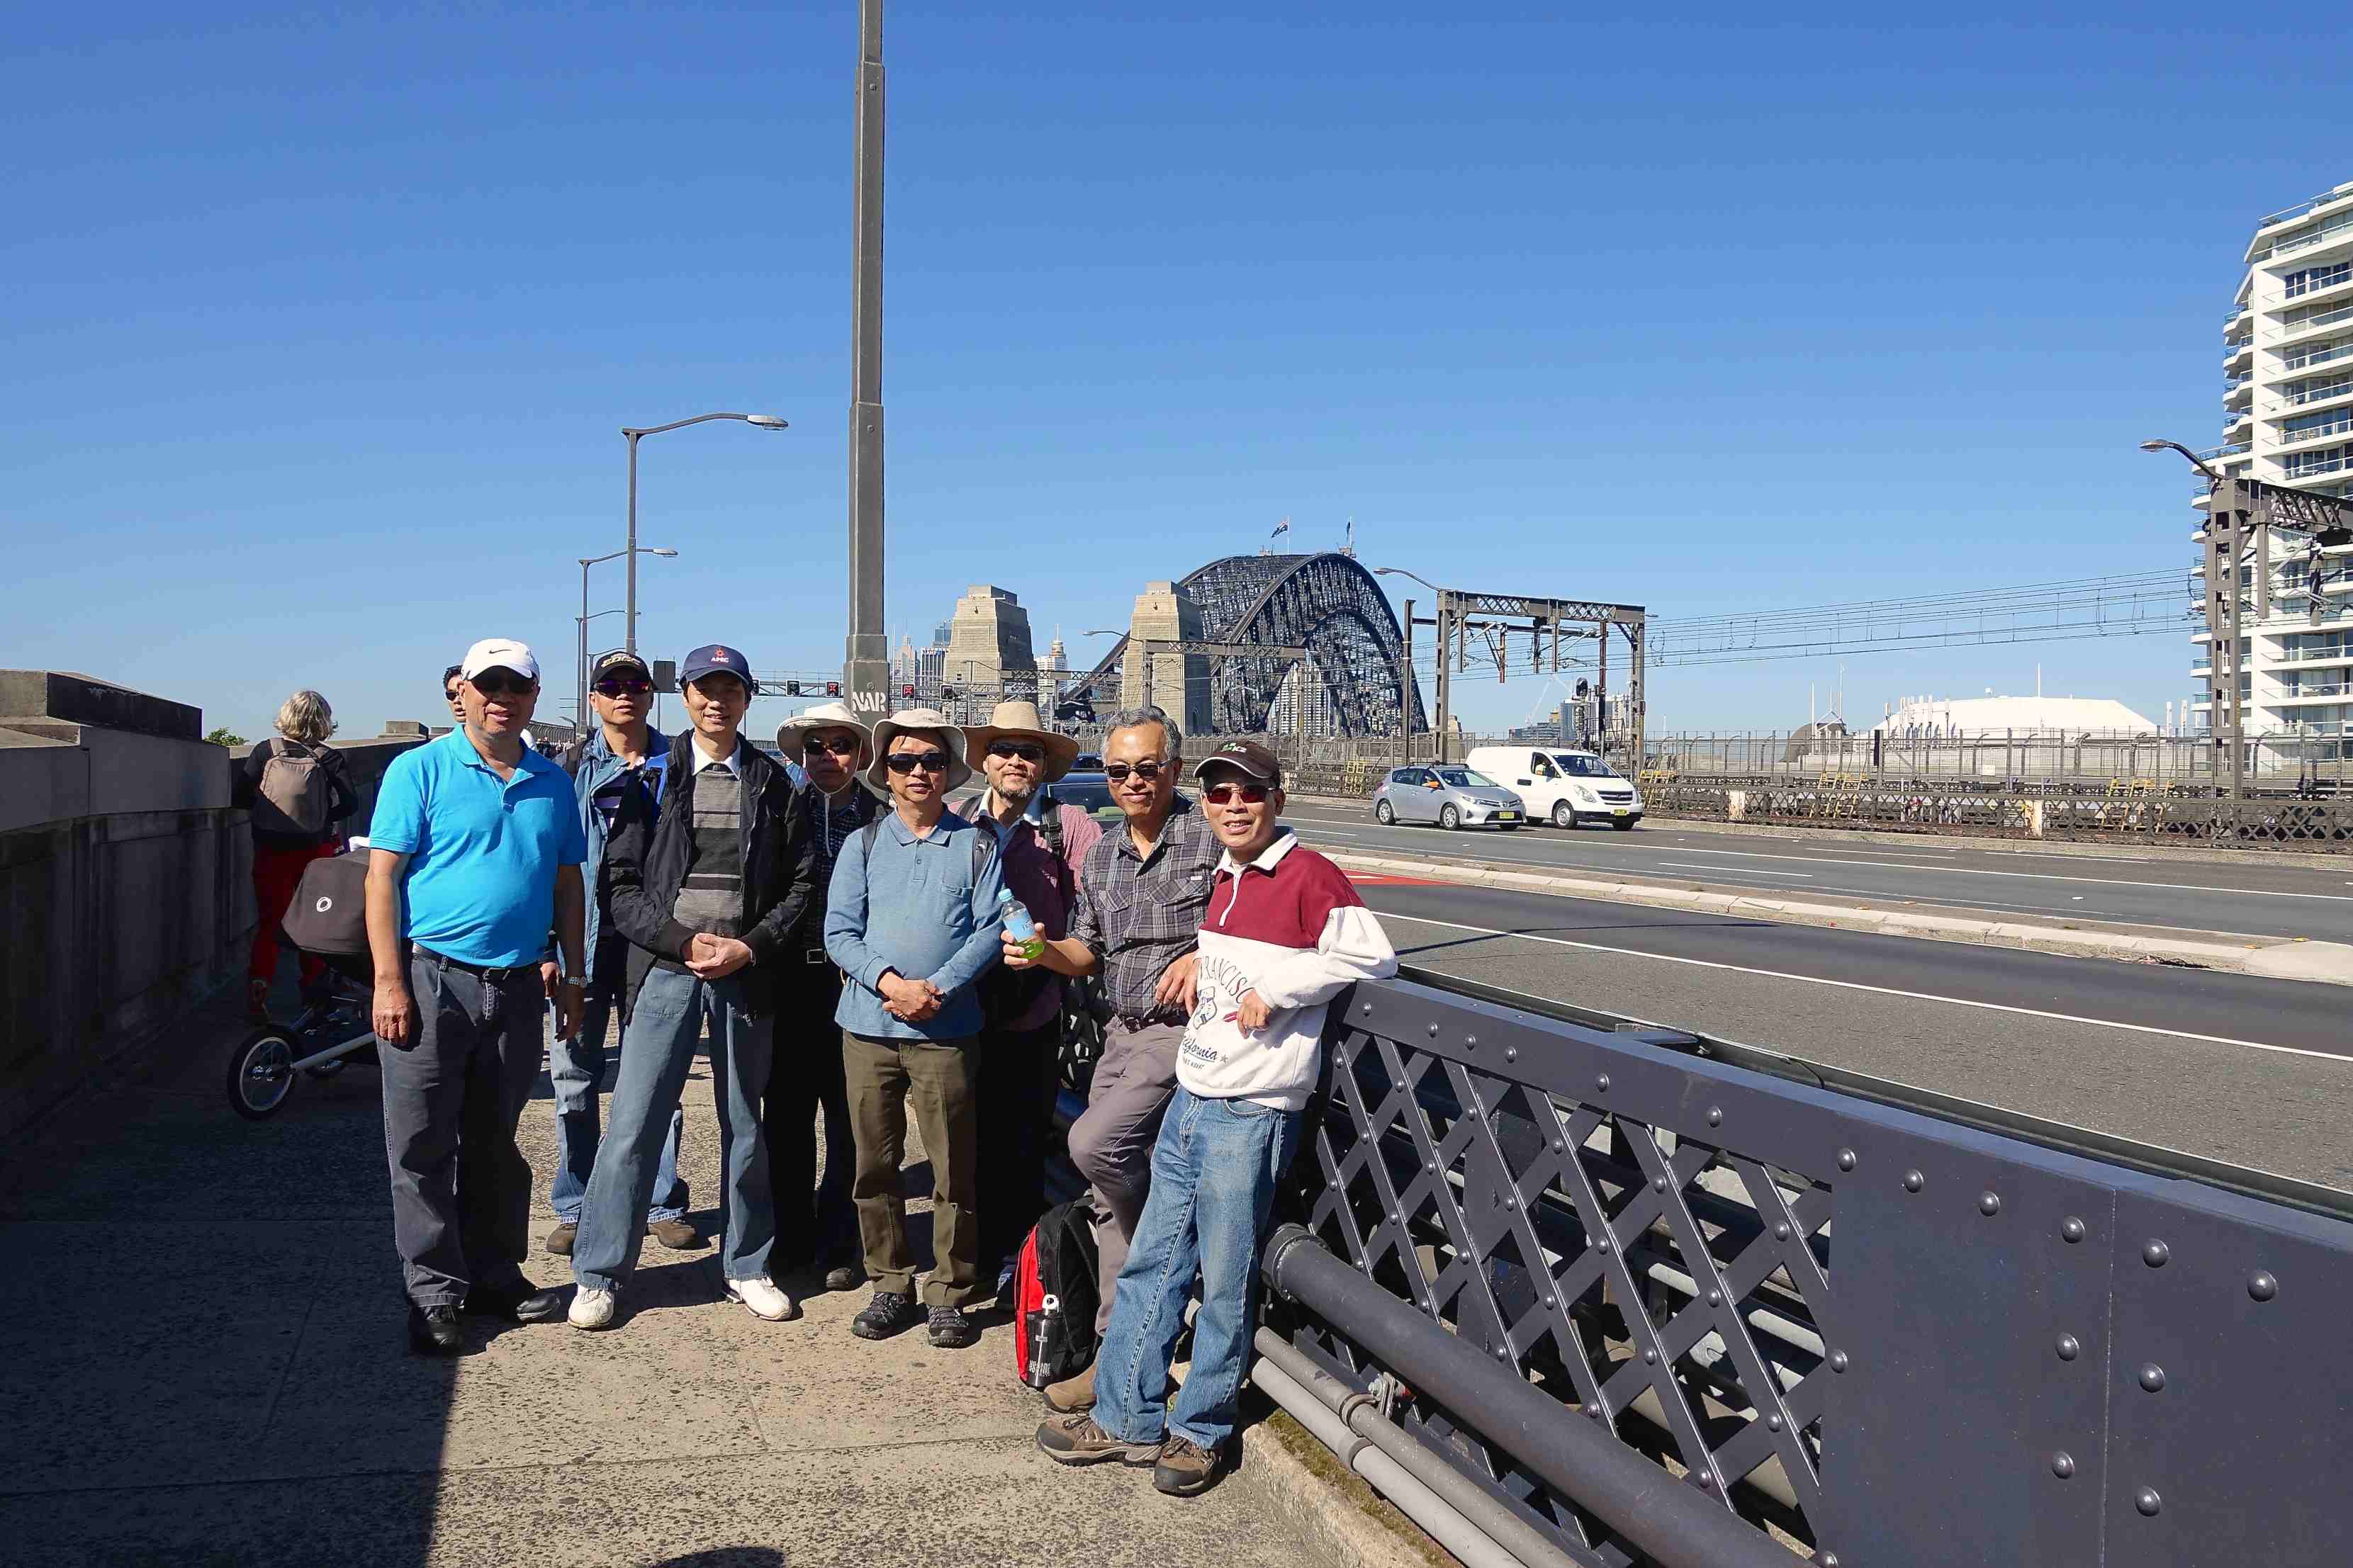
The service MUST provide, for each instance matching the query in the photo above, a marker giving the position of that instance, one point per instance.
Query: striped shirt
(711, 898)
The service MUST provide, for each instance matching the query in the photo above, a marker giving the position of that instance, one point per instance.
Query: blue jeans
(656, 1051)
(576, 1071)
(1213, 1174)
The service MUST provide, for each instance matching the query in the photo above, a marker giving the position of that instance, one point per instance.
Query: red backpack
(1055, 1296)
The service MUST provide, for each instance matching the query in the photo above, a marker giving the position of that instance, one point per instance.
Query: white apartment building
(2287, 399)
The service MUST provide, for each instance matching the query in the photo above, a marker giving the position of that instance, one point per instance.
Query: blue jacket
(593, 764)
(917, 906)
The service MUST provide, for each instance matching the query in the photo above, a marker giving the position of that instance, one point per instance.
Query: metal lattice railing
(1878, 1334)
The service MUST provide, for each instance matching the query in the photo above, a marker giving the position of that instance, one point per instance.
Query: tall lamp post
(586, 561)
(865, 657)
(634, 434)
(1405, 682)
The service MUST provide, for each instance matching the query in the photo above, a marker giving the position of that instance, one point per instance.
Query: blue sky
(321, 329)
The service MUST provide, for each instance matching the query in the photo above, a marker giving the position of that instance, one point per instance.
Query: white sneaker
(763, 1298)
(592, 1309)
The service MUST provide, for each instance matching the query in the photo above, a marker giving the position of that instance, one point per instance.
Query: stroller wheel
(260, 1074)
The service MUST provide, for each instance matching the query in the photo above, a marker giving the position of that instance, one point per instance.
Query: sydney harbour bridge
(1356, 681)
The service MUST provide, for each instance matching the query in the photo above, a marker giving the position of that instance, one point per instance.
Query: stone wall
(125, 877)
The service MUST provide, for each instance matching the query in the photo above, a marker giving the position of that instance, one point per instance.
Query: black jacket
(649, 853)
(343, 798)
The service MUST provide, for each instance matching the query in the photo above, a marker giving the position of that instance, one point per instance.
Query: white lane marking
(1751, 870)
(1875, 990)
(2045, 877)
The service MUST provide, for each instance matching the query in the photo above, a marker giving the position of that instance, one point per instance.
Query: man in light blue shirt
(474, 857)
(911, 919)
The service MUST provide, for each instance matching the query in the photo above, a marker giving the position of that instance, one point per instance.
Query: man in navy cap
(712, 891)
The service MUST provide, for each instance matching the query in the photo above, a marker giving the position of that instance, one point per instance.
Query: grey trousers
(460, 1187)
(1111, 1142)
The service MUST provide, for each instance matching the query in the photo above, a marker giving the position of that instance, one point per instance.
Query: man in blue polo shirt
(474, 856)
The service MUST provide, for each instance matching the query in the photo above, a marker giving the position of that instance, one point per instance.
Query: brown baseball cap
(1246, 757)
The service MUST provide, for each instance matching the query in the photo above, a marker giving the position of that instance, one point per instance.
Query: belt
(813, 955)
(484, 972)
(1147, 1020)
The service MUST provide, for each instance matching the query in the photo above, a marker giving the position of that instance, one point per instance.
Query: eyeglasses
(908, 761)
(839, 745)
(1223, 794)
(616, 685)
(1028, 751)
(498, 683)
(448, 694)
(1147, 771)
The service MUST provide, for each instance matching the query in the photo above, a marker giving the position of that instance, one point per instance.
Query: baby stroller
(327, 920)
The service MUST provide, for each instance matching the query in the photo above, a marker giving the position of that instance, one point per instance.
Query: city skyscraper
(2287, 401)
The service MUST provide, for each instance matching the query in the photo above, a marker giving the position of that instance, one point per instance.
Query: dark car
(1088, 791)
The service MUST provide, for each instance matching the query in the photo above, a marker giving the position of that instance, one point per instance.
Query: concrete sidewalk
(202, 1361)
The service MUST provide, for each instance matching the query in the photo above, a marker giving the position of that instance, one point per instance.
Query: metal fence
(2086, 760)
(2314, 825)
(1857, 1321)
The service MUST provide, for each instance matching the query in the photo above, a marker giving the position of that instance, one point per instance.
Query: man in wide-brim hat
(931, 721)
(816, 1225)
(1041, 847)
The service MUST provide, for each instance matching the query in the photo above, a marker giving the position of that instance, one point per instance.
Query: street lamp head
(662, 551)
(765, 421)
(2154, 445)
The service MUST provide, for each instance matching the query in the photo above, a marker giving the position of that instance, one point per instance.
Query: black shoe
(844, 1276)
(521, 1302)
(433, 1331)
(951, 1329)
(888, 1313)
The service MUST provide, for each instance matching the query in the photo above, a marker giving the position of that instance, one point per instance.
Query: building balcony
(2287, 298)
(2306, 436)
(2238, 359)
(2304, 694)
(2277, 332)
(2315, 244)
(2310, 398)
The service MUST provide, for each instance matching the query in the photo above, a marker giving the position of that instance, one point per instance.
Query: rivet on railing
(1433, 1031)
(1781, 1232)
(2070, 1230)
(1830, 1559)
(1471, 1042)
(2069, 1347)
(1914, 1181)
(1603, 1244)
(1511, 1053)
(1716, 1116)
(2261, 1286)
(1846, 1159)
(1715, 1298)
(1512, 1203)
(2063, 1465)
(1557, 1145)
(1988, 1204)
(1549, 1301)
(1838, 1361)
(2147, 1502)
(1592, 1410)
(2152, 1378)
(1368, 1006)
(1705, 1480)
(1502, 1352)
(1772, 1423)
(1650, 1358)
(1658, 1184)
(1602, 1083)
(2154, 1254)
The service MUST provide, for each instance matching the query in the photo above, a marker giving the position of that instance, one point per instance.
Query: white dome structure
(1999, 716)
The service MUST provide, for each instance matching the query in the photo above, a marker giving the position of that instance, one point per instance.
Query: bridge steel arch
(1327, 604)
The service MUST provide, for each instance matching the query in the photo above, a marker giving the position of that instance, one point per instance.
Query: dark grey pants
(460, 1187)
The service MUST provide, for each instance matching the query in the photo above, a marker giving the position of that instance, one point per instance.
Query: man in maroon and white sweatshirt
(1284, 933)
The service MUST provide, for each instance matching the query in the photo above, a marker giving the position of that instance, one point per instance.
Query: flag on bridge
(1281, 528)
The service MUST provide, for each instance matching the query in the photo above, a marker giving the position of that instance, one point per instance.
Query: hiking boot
(1073, 1394)
(844, 1278)
(433, 1331)
(1075, 1439)
(763, 1299)
(518, 1303)
(559, 1241)
(951, 1329)
(1186, 1469)
(888, 1313)
(675, 1234)
(593, 1308)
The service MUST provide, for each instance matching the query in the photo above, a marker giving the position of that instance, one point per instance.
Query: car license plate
(1619, 810)
(1507, 817)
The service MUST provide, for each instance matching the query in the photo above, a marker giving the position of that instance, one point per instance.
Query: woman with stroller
(297, 791)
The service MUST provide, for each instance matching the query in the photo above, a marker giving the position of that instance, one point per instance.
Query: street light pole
(634, 434)
(586, 561)
(865, 668)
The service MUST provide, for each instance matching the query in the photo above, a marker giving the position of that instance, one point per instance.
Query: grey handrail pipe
(1673, 1522)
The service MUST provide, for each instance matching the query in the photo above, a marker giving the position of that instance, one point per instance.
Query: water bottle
(1018, 923)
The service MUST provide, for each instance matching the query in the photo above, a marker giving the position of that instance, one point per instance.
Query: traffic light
(1584, 689)
(947, 693)
(906, 691)
(792, 688)
(833, 689)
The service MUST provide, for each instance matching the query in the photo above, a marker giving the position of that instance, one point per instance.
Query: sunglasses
(448, 694)
(491, 683)
(839, 745)
(617, 685)
(1147, 771)
(908, 761)
(1028, 751)
(1223, 794)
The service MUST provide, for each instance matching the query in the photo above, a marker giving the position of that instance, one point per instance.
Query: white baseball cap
(499, 653)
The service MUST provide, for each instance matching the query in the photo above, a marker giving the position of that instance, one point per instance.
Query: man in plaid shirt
(1137, 923)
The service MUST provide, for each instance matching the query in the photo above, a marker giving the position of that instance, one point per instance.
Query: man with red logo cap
(1284, 933)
